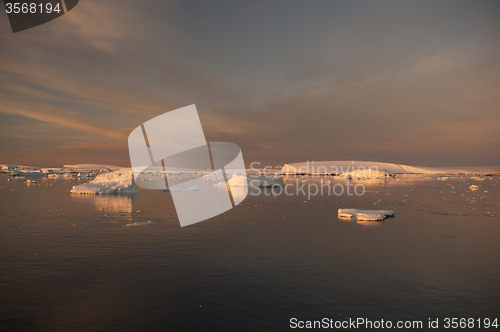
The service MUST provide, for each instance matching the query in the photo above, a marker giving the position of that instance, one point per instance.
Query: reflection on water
(369, 223)
(118, 203)
(239, 193)
(365, 223)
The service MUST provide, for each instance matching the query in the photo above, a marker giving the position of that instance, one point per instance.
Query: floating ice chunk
(119, 181)
(474, 187)
(238, 180)
(140, 223)
(359, 214)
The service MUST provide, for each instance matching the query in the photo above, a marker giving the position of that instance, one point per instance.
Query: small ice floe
(373, 215)
(30, 181)
(473, 187)
(140, 223)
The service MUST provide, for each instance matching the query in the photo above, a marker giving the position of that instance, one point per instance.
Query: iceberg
(80, 170)
(92, 167)
(238, 180)
(373, 215)
(373, 169)
(7, 168)
(119, 181)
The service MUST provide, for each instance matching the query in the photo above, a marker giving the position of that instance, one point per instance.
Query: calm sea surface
(70, 263)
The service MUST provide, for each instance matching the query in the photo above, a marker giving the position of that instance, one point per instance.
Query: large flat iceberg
(92, 167)
(373, 169)
(119, 181)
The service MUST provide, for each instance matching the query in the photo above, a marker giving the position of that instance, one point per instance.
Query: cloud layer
(397, 81)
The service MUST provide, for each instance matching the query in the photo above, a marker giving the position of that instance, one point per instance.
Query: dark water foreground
(70, 263)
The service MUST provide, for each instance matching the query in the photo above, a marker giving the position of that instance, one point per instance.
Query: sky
(407, 82)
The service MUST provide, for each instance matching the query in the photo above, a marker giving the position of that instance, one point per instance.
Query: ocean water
(71, 263)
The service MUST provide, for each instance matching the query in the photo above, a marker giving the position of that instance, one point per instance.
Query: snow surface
(119, 181)
(375, 215)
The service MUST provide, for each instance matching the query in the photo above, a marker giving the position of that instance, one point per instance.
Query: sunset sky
(408, 82)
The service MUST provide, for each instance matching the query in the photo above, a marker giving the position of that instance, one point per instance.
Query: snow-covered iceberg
(81, 170)
(119, 181)
(374, 215)
(15, 170)
(371, 169)
(91, 167)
